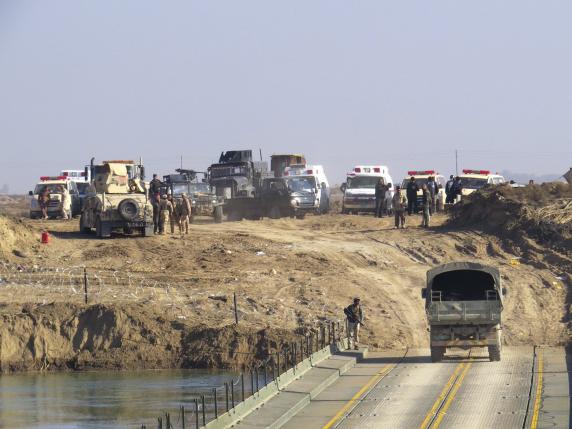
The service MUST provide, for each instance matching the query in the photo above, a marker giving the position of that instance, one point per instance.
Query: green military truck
(464, 302)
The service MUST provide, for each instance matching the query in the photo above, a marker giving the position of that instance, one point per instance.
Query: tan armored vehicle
(463, 302)
(117, 200)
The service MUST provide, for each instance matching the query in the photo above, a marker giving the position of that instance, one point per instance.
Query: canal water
(101, 399)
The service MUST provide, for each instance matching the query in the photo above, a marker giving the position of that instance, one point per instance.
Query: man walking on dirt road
(354, 315)
(399, 205)
(427, 203)
(184, 214)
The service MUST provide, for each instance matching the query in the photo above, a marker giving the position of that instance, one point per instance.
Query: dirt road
(288, 274)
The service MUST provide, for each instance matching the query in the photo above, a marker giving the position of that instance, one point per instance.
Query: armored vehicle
(463, 302)
(203, 197)
(236, 177)
(117, 199)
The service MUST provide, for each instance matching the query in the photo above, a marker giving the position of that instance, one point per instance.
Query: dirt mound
(17, 240)
(63, 336)
(542, 212)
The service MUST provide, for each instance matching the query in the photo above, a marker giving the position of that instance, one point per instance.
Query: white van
(318, 183)
(359, 189)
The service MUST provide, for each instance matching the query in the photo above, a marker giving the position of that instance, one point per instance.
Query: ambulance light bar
(420, 172)
(486, 172)
(44, 178)
(118, 161)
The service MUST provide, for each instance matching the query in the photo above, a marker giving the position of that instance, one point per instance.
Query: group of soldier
(398, 202)
(168, 210)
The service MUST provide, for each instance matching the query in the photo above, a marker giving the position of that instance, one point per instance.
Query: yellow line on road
(451, 396)
(366, 387)
(538, 395)
(441, 396)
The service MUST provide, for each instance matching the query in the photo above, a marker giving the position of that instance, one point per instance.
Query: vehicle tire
(301, 216)
(344, 210)
(234, 216)
(101, 229)
(218, 214)
(274, 212)
(82, 228)
(128, 209)
(437, 354)
(147, 231)
(495, 353)
(33, 215)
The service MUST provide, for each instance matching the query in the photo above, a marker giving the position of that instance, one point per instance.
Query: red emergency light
(310, 172)
(376, 170)
(421, 172)
(357, 170)
(44, 178)
(65, 173)
(286, 173)
(486, 172)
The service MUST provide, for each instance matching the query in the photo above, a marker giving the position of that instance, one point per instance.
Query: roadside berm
(167, 301)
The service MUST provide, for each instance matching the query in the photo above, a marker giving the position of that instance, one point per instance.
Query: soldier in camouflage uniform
(165, 212)
(185, 210)
(173, 215)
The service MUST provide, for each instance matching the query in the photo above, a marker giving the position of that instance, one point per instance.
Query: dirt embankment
(63, 336)
(166, 301)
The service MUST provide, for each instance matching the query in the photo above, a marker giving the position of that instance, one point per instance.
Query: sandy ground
(287, 274)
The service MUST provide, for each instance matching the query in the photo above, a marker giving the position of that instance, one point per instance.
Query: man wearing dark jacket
(354, 315)
(412, 189)
(380, 189)
(449, 190)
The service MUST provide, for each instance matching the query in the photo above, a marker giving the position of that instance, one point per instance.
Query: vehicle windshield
(200, 187)
(82, 187)
(301, 184)
(53, 188)
(473, 183)
(420, 183)
(362, 182)
(180, 188)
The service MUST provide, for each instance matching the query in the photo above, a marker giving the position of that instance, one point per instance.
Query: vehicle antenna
(260, 149)
(456, 163)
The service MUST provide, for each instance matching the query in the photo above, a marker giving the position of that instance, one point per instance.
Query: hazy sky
(401, 83)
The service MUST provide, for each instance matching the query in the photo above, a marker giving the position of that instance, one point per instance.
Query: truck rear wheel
(274, 212)
(218, 214)
(495, 353)
(437, 354)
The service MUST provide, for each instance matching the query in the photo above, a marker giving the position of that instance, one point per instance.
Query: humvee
(463, 302)
(203, 197)
(117, 199)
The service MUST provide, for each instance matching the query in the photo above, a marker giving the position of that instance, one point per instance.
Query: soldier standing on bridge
(354, 315)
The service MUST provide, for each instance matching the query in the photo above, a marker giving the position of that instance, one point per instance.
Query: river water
(101, 399)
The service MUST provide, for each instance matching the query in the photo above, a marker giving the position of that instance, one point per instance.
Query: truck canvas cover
(464, 281)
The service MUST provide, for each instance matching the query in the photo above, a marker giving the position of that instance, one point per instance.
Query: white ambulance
(422, 177)
(310, 179)
(473, 180)
(55, 186)
(359, 189)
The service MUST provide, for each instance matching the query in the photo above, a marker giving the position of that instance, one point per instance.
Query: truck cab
(422, 177)
(279, 162)
(359, 189)
(464, 303)
(307, 180)
(473, 180)
(55, 186)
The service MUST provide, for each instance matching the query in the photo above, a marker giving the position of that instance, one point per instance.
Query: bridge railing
(210, 405)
